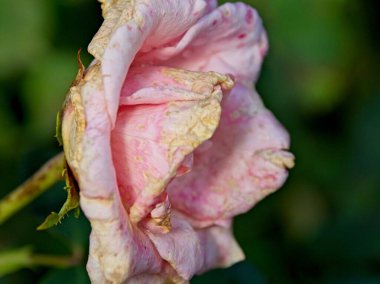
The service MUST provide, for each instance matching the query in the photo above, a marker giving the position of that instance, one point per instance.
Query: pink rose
(166, 157)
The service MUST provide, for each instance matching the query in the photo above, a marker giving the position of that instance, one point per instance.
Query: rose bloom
(168, 140)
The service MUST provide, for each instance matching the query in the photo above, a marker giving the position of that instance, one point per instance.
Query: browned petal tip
(229, 83)
(285, 160)
(281, 158)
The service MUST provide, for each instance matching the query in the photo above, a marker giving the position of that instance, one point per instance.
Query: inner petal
(230, 39)
(164, 115)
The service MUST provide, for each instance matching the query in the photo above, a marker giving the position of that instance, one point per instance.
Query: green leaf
(72, 203)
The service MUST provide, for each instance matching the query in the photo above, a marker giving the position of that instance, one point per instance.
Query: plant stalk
(42, 180)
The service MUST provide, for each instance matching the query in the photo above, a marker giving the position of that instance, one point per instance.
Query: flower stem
(15, 259)
(57, 261)
(43, 179)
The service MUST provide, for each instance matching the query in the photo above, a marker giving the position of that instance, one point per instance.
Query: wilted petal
(190, 251)
(118, 250)
(229, 40)
(219, 247)
(132, 26)
(86, 132)
(245, 162)
(166, 114)
(181, 247)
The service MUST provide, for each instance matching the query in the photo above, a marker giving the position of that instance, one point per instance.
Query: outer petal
(229, 40)
(181, 247)
(219, 247)
(130, 26)
(191, 251)
(243, 162)
(117, 249)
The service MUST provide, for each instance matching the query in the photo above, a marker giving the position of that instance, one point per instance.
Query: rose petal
(180, 247)
(245, 162)
(150, 141)
(118, 250)
(219, 247)
(229, 40)
(192, 251)
(130, 26)
(86, 133)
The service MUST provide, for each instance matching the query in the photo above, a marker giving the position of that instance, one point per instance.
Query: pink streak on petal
(186, 165)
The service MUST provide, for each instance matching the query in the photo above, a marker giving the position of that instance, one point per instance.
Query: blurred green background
(321, 78)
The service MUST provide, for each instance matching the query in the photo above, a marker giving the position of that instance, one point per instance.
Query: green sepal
(59, 118)
(72, 202)
(58, 128)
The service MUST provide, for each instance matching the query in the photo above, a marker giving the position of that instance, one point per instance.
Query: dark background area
(321, 78)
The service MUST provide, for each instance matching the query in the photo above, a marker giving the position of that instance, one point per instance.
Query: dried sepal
(72, 202)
